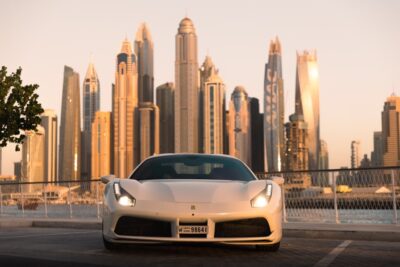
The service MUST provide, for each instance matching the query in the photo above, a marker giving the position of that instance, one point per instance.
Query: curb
(342, 232)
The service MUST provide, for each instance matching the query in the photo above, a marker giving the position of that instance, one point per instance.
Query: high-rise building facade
(1, 163)
(257, 136)
(144, 53)
(355, 157)
(296, 144)
(149, 125)
(240, 125)
(391, 131)
(124, 111)
(91, 104)
(187, 91)
(307, 102)
(50, 124)
(17, 171)
(296, 153)
(377, 153)
(70, 128)
(274, 128)
(165, 102)
(323, 155)
(213, 110)
(101, 145)
(32, 164)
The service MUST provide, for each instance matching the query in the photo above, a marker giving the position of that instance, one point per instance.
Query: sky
(357, 43)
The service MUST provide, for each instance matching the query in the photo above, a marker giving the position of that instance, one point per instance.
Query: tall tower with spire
(144, 53)
(307, 102)
(274, 128)
(91, 104)
(124, 112)
(187, 90)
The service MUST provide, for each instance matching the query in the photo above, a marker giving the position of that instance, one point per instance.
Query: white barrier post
(97, 200)
(284, 203)
(22, 200)
(394, 199)
(69, 200)
(45, 200)
(335, 198)
(1, 201)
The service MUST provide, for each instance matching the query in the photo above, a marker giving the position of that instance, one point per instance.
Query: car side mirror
(108, 178)
(279, 180)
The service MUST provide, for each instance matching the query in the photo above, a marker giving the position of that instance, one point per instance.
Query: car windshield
(207, 167)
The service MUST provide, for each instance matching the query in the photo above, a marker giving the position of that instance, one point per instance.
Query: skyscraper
(323, 177)
(149, 124)
(50, 124)
(296, 145)
(213, 109)
(70, 128)
(257, 136)
(124, 112)
(323, 155)
(187, 91)
(296, 153)
(355, 154)
(32, 165)
(377, 153)
(307, 102)
(144, 54)
(17, 171)
(274, 128)
(91, 104)
(101, 145)
(391, 131)
(165, 102)
(240, 126)
(1, 161)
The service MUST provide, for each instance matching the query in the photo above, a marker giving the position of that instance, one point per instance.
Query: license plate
(192, 229)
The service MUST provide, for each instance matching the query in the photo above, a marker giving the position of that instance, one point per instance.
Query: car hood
(199, 191)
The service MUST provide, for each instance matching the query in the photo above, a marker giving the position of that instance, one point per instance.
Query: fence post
(394, 198)
(97, 200)
(69, 200)
(45, 200)
(335, 203)
(1, 201)
(22, 200)
(284, 203)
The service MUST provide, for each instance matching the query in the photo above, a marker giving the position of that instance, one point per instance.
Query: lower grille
(135, 226)
(257, 227)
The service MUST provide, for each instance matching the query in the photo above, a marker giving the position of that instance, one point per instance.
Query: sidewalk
(369, 232)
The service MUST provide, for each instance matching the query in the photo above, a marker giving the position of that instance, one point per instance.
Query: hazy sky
(357, 42)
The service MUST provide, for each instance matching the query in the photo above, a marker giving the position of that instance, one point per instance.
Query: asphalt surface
(77, 247)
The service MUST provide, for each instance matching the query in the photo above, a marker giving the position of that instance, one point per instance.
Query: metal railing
(368, 195)
(66, 199)
(326, 196)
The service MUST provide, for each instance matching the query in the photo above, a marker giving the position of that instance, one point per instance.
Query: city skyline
(336, 129)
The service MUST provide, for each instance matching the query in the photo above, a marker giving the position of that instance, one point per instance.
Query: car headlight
(262, 199)
(123, 197)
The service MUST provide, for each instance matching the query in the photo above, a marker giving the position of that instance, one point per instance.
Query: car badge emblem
(192, 207)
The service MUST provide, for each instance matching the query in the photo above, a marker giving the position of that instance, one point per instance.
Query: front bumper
(171, 215)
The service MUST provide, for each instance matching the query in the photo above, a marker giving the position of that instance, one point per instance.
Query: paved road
(71, 247)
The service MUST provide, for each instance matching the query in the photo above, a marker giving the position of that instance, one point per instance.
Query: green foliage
(19, 108)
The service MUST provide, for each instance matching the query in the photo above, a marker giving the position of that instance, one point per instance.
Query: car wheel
(272, 248)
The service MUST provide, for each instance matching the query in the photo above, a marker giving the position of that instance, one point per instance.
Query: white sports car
(192, 198)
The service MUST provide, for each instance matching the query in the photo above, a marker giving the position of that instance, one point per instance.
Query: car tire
(271, 248)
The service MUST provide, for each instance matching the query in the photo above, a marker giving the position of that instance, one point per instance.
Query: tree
(19, 108)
